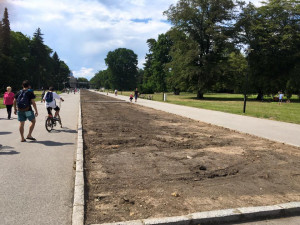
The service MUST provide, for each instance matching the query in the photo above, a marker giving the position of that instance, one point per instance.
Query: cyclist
(50, 103)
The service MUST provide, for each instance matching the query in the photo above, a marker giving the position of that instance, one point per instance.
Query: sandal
(23, 140)
(31, 138)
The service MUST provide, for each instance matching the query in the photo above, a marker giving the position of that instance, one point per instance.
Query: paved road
(274, 130)
(37, 178)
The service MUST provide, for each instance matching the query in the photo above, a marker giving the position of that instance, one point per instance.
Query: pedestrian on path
(116, 92)
(23, 101)
(136, 94)
(8, 101)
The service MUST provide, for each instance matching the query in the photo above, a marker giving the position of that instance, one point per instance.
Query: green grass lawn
(233, 103)
(1, 103)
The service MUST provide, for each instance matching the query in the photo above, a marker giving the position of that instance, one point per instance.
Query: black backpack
(49, 97)
(23, 101)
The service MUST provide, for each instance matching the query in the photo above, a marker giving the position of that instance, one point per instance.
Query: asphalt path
(37, 178)
(288, 133)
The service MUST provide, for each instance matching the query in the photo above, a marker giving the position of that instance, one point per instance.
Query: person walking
(22, 107)
(43, 94)
(8, 101)
(136, 94)
(280, 98)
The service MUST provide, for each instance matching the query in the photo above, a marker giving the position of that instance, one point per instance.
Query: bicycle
(50, 122)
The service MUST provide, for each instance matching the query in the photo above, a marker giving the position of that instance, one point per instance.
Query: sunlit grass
(233, 103)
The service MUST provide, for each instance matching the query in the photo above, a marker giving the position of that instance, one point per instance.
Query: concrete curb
(78, 204)
(222, 216)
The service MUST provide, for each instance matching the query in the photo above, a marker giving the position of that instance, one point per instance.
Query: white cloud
(84, 72)
(83, 32)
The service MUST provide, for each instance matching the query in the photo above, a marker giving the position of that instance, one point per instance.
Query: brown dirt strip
(141, 163)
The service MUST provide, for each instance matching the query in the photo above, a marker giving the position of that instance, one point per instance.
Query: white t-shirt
(280, 96)
(53, 103)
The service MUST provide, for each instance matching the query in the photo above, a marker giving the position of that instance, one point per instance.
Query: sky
(82, 32)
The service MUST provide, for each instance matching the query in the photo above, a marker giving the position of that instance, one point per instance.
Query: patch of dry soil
(141, 163)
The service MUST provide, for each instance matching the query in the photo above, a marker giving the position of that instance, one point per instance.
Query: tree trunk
(200, 95)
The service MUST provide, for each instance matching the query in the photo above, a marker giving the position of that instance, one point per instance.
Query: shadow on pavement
(64, 130)
(5, 133)
(52, 143)
(7, 150)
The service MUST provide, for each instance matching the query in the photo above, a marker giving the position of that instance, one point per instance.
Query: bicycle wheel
(49, 124)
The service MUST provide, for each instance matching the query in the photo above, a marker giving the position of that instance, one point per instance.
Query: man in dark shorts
(50, 103)
(136, 94)
(23, 101)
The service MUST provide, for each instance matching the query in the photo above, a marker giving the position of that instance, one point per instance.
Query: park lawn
(1, 103)
(233, 103)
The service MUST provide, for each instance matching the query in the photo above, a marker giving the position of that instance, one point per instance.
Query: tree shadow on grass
(52, 143)
(7, 150)
(221, 99)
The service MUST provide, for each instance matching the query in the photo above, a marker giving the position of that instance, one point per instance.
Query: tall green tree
(207, 23)
(122, 66)
(5, 34)
(40, 57)
(148, 81)
(101, 80)
(272, 32)
(155, 66)
(182, 68)
(6, 61)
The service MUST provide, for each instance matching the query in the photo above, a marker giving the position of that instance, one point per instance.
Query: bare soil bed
(142, 163)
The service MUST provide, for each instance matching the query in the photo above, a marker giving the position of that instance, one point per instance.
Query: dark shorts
(24, 115)
(49, 109)
(135, 96)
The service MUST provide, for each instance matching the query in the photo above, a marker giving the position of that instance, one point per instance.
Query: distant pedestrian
(280, 97)
(43, 94)
(131, 97)
(8, 101)
(116, 92)
(23, 101)
(136, 94)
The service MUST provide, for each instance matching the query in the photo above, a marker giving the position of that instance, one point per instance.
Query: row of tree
(25, 58)
(221, 46)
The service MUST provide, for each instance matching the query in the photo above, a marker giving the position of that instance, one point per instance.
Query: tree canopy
(214, 46)
(25, 58)
(122, 67)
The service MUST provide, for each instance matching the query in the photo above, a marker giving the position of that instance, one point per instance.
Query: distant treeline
(216, 46)
(25, 58)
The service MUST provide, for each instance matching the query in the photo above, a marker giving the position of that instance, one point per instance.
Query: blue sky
(82, 32)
